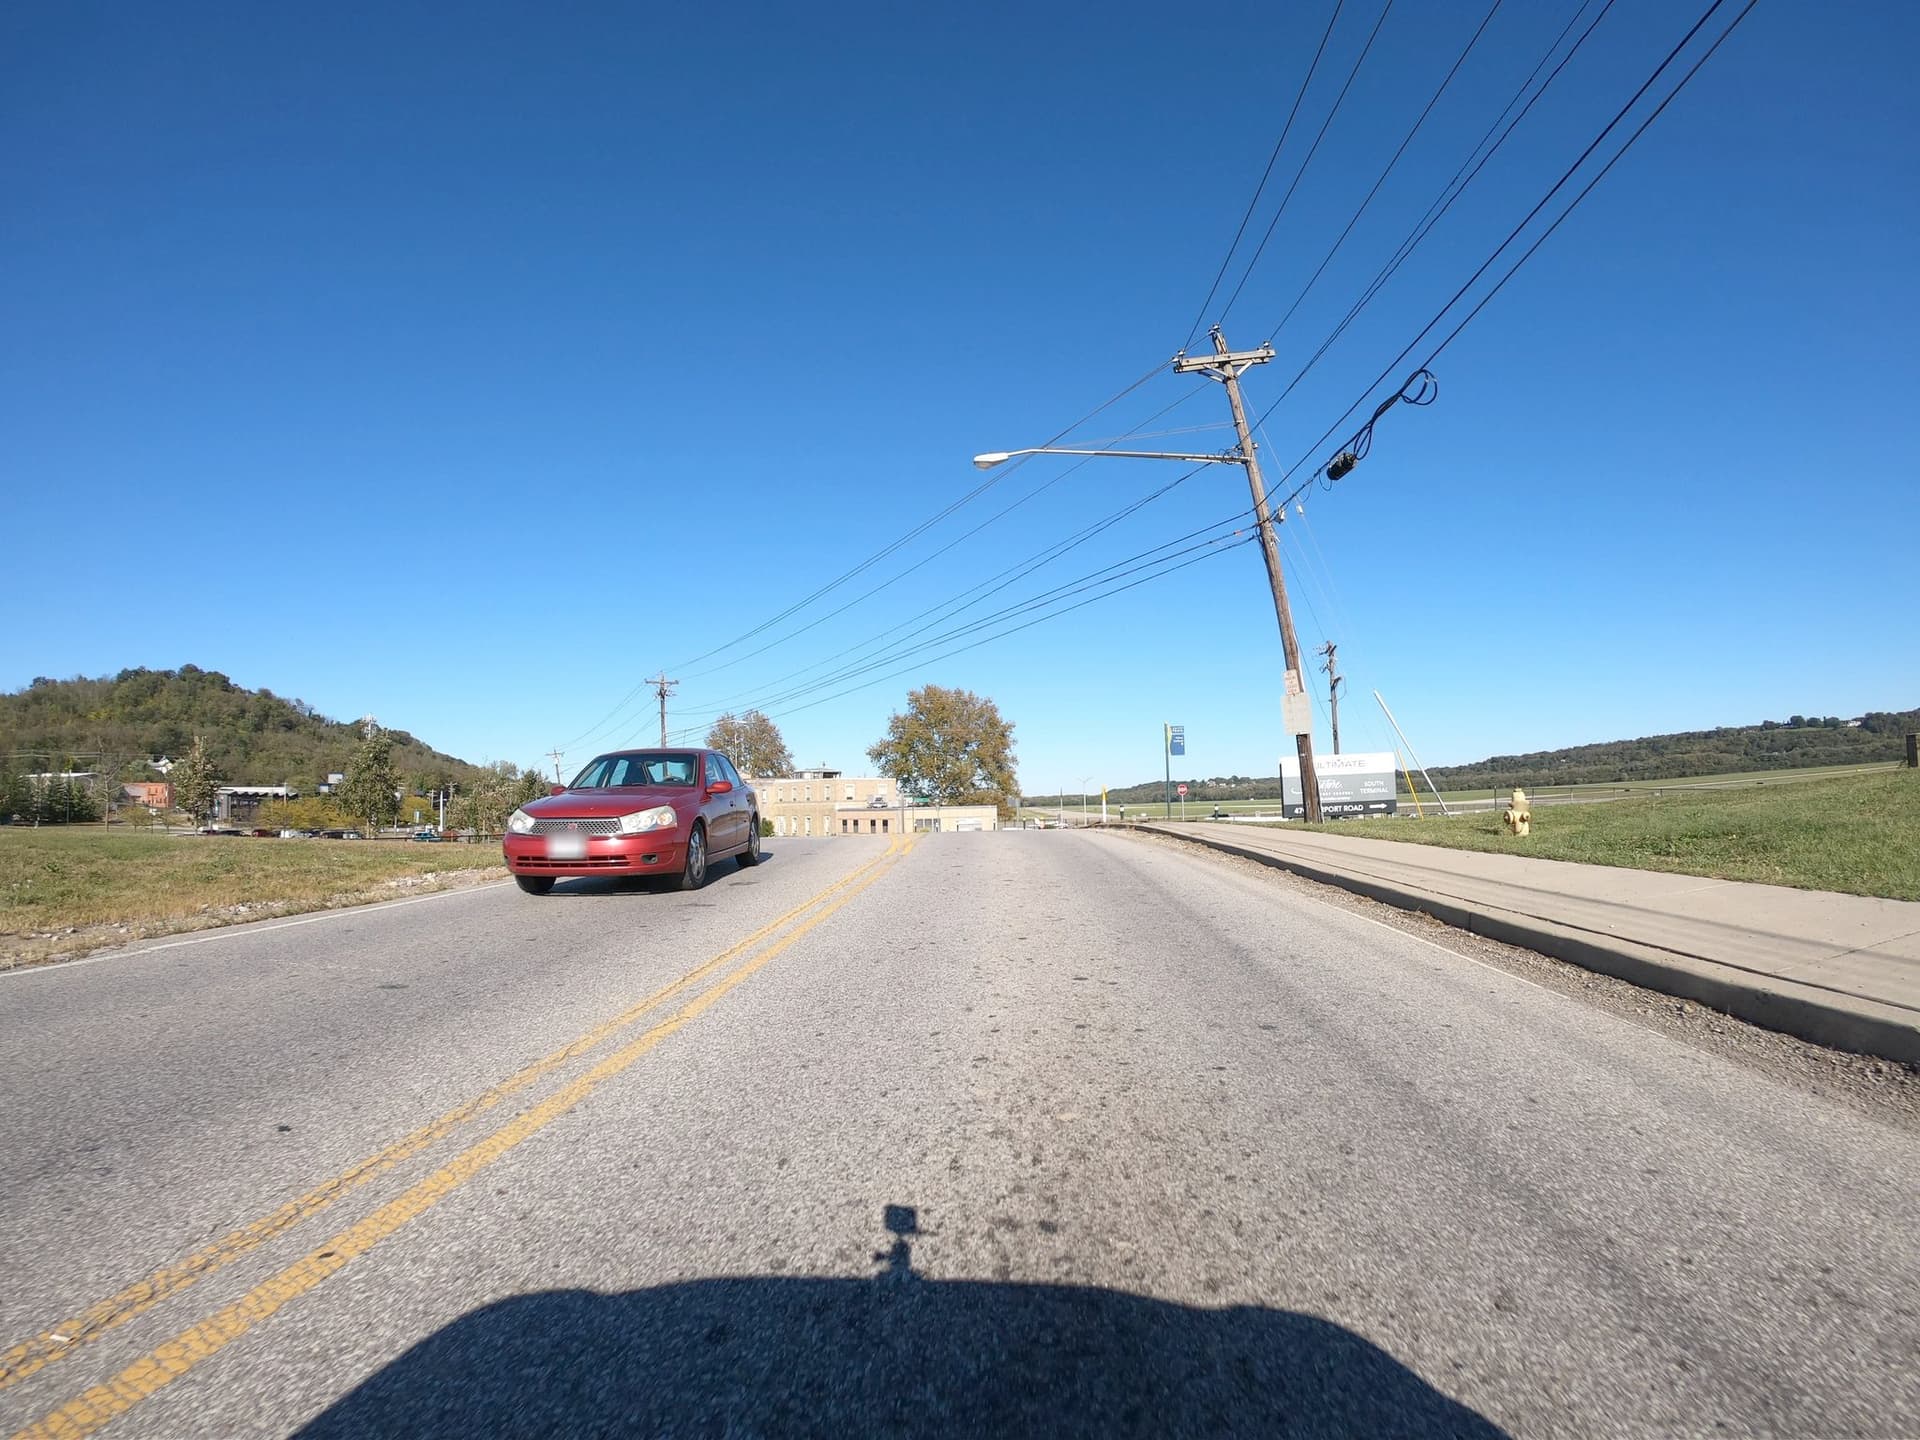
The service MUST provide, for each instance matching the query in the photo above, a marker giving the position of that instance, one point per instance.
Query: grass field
(1855, 833)
(64, 890)
(1200, 809)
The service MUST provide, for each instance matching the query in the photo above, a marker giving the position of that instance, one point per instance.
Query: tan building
(823, 802)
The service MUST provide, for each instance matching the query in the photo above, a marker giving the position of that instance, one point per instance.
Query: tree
(371, 788)
(484, 804)
(951, 746)
(753, 743)
(16, 796)
(308, 812)
(196, 783)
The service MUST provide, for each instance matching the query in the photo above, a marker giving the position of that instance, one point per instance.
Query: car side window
(725, 771)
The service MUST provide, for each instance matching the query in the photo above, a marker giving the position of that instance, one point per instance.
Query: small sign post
(1174, 742)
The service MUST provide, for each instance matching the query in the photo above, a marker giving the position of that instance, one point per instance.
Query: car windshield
(643, 767)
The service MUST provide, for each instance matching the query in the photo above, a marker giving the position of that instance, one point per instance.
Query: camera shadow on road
(896, 1354)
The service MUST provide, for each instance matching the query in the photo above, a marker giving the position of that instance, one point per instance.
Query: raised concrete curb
(1861, 1026)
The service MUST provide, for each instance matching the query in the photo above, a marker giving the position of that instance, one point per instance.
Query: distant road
(1030, 1132)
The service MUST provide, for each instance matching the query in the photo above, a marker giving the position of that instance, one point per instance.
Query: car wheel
(534, 884)
(751, 855)
(694, 873)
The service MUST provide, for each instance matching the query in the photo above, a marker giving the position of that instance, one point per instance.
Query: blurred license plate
(566, 847)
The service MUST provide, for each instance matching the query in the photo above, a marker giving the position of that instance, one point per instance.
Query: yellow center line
(87, 1412)
(56, 1341)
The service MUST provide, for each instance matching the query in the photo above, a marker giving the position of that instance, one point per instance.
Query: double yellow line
(89, 1411)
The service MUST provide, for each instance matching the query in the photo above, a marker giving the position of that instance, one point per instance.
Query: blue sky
(464, 369)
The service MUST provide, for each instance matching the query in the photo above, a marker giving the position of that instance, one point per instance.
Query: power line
(926, 560)
(1231, 544)
(1200, 316)
(993, 584)
(1145, 560)
(910, 535)
(612, 717)
(1093, 579)
(1326, 125)
(1572, 205)
(1454, 188)
(1460, 60)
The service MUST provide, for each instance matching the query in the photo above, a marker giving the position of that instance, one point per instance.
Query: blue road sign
(1176, 739)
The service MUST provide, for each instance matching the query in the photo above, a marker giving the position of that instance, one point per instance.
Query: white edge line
(1446, 949)
(1340, 909)
(234, 932)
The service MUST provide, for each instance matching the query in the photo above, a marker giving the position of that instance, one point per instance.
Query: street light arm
(1000, 457)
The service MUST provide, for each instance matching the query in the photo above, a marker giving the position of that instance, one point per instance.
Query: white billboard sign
(1351, 784)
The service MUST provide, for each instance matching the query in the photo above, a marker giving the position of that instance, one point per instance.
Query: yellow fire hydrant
(1518, 818)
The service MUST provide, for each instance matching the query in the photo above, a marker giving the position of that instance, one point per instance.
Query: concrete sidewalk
(1841, 970)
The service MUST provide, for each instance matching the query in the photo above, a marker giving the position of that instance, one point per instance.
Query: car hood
(599, 804)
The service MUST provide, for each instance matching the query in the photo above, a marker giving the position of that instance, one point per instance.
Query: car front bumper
(656, 853)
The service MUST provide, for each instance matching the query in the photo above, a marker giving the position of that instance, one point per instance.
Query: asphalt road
(1032, 1132)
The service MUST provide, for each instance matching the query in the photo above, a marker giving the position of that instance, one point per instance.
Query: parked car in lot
(339, 834)
(432, 837)
(637, 812)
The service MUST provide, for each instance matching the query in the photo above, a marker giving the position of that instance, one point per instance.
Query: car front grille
(577, 827)
(584, 862)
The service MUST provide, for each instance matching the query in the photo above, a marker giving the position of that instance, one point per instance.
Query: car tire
(534, 884)
(693, 874)
(751, 855)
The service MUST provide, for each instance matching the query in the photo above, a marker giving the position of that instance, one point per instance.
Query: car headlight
(520, 823)
(661, 817)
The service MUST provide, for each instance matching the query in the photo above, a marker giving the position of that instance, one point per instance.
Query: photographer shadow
(895, 1354)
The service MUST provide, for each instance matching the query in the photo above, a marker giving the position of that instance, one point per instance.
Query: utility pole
(1166, 759)
(664, 687)
(1227, 366)
(558, 755)
(1334, 681)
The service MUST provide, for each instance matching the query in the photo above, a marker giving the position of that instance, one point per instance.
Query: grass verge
(65, 891)
(1857, 834)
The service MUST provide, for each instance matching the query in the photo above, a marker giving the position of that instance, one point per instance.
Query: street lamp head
(987, 462)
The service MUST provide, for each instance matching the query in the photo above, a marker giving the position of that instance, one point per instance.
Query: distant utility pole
(1334, 680)
(558, 755)
(664, 687)
(1227, 366)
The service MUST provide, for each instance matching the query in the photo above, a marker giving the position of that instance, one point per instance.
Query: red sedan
(637, 812)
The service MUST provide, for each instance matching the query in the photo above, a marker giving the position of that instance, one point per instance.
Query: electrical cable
(912, 534)
(1205, 551)
(993, 584)
(1460, 60)
(611, 717)
(1028, 625)
(1453, 189)
(1572, 205)
(1326, 125)
(1105, 575)
(1225, 260)
(923, 562)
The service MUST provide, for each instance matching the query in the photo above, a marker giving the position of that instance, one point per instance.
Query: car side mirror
(719, 787)
(556, 789)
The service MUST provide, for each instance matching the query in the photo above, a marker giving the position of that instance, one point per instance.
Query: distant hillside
(1796, 743)
(255, 736)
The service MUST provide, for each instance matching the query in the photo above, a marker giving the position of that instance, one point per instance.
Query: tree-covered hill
(1798, 742)
(117, 723)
